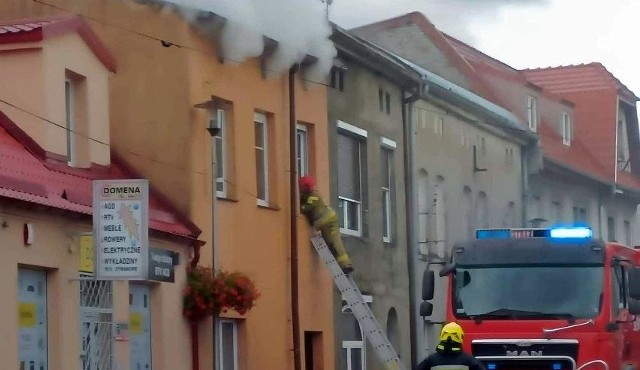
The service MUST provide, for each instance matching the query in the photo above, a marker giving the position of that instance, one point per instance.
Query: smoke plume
(299, 26)
(455, 17)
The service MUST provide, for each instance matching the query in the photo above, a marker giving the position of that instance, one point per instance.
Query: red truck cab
(554, 299)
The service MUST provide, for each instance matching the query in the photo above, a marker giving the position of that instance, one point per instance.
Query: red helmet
(307, 184)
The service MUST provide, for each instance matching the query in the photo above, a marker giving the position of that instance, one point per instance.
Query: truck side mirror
(634, 283)
(426, 309)
(428, 284)
(634, 307)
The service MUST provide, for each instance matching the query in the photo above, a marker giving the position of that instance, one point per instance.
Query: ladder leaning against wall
(351, 293)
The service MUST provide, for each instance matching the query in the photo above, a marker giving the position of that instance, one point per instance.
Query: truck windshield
(528, 292)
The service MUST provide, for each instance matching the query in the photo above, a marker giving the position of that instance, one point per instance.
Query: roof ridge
(465, 44)
(563, 66)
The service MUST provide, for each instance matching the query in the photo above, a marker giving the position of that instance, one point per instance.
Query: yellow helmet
(452, 331)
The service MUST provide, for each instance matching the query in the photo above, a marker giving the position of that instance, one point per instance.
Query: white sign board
(121, 229)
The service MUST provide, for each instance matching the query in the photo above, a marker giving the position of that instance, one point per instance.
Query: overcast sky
(525, 33)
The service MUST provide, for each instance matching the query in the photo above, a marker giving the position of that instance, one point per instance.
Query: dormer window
(566, 128)
(623, 144)
(532, 113)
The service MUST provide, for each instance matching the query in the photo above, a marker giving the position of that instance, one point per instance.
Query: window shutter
(348, 167)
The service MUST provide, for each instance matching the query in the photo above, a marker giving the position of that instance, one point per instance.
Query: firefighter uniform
(323, 219)
(449, 354)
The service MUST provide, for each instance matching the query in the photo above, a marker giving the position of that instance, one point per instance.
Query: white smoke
(455, 17)
(299, 26)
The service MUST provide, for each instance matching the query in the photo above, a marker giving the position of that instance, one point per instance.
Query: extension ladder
(351, 293)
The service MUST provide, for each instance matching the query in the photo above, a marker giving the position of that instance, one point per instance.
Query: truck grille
(525, 347)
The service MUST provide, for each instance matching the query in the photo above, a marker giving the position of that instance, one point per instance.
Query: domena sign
(121, 229)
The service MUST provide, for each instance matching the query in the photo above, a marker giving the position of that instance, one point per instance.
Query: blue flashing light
(492, 366)
(571, 232)
(557, 366)
(493, 234)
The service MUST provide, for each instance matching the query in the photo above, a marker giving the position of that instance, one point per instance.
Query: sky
(524, 33)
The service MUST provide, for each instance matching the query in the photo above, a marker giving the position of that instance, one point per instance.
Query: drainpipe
(215, 261)
(213, 131)
(193, 325)
(293, 181)
(410, 210)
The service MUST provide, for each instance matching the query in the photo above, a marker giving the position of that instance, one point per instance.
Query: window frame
(302, 152)
(220, 138)
(234, 324)
(438, 125)
(532, 112)
(359, 136)
(260, 119)
(387, 229)
(70, 108)
(350, 345)
(566, 128)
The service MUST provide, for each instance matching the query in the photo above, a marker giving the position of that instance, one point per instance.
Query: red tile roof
(592, 147)
(38, 29)
(26, 175)
(577, 78)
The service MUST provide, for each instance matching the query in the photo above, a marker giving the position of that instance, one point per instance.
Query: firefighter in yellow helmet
(323, 219)
(449, 353)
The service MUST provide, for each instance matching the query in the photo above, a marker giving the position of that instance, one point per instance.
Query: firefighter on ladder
(323, 219)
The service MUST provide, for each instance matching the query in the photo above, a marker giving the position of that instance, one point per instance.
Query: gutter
(496, 115)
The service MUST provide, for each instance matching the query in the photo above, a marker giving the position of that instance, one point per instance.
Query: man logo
(524, 353)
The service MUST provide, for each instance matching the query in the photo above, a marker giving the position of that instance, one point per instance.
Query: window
(387, 180)
(438, 125)
(262, 158)
(349, 184)
(532, 113)
(468, 212)
(579, 215)
(220, 140)
(465, 137)
(69, 93)
(32, 319)
(558, 211)
(627, 233)
(388, 101)
(228, 344)
(337, 78)
(566, 128)
(619, 289)
(482, 218)
(508, 158)
(611, 229)
(354, 354)
(384, 101)
(302, 150)
(623, 145)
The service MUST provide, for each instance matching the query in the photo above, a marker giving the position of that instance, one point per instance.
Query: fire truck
(554, 299)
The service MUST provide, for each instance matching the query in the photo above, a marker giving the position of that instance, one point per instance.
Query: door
(32, 319)
(96, 324)
(139, 327)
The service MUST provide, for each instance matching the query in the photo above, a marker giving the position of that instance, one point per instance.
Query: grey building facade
(470, 158)
(366, 130)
